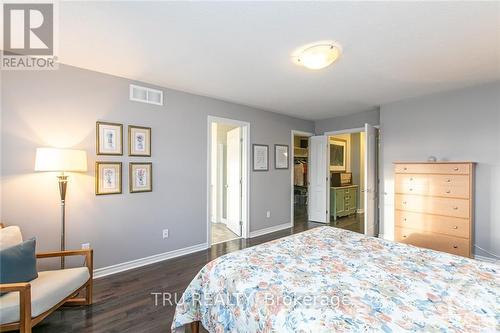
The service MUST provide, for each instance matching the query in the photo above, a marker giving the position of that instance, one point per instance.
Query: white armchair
(26, 304)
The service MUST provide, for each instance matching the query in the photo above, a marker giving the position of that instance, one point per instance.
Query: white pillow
(10, 236)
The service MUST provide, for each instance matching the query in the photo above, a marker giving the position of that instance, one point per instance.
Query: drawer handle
(455, 169)
(404, 219)
(411, 179)
(448, 180)
(455, 208)
(455, 246)
(404, 236)
(405, 168)
(404, 202)
(448, 192)
(455, 227)
(411, 189)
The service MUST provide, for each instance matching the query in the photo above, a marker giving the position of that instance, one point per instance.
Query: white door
(318, 179)
(234, 181)
(371, 181)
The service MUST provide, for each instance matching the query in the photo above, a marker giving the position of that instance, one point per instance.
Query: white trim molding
(125, 266)
(245, 210)
(487, 259)
(348, 131)
(275, 228)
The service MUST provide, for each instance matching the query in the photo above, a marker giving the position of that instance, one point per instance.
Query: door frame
(293, 134)
(245, 175)
(349, 130)
(359, 130)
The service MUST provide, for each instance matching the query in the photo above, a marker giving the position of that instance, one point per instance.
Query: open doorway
(347, 172)
(348, 161)
(228, 190)
(353, 173)
(300, 181)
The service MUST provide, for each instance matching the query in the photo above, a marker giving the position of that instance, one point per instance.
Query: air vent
(146, 95)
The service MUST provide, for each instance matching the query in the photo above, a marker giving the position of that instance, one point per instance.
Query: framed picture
(281, 157)
(108, 178)
(109, 138)
(140, 177)
(260, 157)
(338, 149)
(139, 141)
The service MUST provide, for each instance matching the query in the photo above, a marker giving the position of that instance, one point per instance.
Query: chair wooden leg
(88, 293)
(25, 310)
(90, 266)
(195, 327)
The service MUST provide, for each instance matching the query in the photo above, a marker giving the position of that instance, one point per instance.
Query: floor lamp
(61, 160)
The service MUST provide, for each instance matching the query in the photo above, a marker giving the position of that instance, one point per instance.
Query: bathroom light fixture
(317, 55)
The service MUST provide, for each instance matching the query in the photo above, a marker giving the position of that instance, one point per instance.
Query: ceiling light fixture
(317, 55)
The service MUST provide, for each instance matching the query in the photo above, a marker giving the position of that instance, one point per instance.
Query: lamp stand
(63, 183)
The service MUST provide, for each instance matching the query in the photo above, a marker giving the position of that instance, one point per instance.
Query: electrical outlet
(165, 233)
(85, 246)
(268, 214)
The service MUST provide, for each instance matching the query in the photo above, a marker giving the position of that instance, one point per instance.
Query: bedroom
(132, 95)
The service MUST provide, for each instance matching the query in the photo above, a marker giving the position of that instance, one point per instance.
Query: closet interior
(300, 181)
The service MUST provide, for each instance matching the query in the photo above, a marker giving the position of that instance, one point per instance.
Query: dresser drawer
(452, 226)
(433, 168)
(452, 186)
(429, 240)
(433, 205)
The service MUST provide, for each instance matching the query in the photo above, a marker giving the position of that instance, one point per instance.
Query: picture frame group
(109, 139)
(109, 174)
(109, 177)
(260, 153)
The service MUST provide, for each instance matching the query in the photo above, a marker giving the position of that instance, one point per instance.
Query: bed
(332, 280)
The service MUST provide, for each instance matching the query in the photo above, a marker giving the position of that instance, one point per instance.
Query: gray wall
(60, 108)
(462, 125)
(355, 120)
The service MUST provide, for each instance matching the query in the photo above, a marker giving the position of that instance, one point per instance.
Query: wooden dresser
(434, 205)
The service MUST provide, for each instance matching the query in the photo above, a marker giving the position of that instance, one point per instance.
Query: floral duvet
(331, 280)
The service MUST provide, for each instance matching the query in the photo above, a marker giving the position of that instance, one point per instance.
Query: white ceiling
(239, 51)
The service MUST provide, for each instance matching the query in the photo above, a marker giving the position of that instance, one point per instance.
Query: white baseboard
(125, 266)
(270, 229)
(486, 259)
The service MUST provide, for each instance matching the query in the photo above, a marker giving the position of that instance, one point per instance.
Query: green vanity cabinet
(343, 200)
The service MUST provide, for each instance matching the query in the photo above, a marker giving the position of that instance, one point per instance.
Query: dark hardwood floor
(353, 222)
(124, 302)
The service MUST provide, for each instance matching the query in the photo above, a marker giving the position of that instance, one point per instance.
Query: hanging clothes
(299, 172)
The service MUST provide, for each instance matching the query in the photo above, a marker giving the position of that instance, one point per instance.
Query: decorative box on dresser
(434, 205)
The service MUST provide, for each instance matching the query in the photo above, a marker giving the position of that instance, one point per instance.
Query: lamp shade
(55, 159)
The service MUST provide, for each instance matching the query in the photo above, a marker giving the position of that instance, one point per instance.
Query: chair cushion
(18, 263)
(47, 290)
(10, 236)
